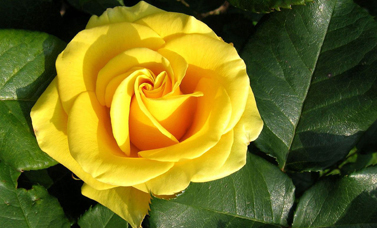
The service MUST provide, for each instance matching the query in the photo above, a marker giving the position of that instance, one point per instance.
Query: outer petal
(78, 65)
(50, 127)
(93, 146)
(211, 118)
(129, 203)
(169, 25)
(123, 14)
(246, 130)
(179, 177)
(215, 59)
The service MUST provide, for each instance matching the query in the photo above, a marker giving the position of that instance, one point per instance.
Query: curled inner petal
(124, 62)
(154, 126)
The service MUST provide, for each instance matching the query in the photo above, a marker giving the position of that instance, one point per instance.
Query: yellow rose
(145, 102)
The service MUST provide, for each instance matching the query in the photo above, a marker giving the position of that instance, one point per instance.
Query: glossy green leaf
(340, 202)
(27, 63)
(96, 7)
(21, 208)
(264, 6)
(101, 217)
(313, 72)
(259, 195)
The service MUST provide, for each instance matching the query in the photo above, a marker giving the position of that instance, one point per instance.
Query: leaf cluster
(313, 70)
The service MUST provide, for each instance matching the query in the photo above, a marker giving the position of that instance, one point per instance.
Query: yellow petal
(145, 131)
(91, 49)
(120, 107)
(127, 202)
(169, 25)
(115, 82)
(210, 120)
(122, 63)
(245, 131)
(50, 126)
(123, 14)
(216, 59)
(179, 177)
(179, 67)
(93, 146)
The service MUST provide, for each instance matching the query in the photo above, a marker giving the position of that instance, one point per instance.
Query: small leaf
(313, 73)
(259, 195)
(358, 162)
(339, 202)
(265, 6)
(101, 217)
(20, 208)
(27, 63)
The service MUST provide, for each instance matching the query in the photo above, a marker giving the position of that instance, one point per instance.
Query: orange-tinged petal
(127, 202)
(78, 65)
(211, 118)
(245, 131)
(93, 146)
(169, 25)
(174, 113)
(179, 177)
(122, 14)
(50, 126)
(145, 131)
(121, 106)
(216, 59)
(122, 63)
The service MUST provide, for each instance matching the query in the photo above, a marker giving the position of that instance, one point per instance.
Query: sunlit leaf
(27, 62)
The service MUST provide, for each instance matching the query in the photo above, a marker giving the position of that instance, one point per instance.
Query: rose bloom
(146, 101)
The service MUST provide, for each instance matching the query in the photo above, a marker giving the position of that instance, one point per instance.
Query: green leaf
(265, 6)
(38, 15)
(27, 63)
(27, 208)
(101, 217)
(96, 7)
(313, 73)
(340, 202)
(259, 195)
